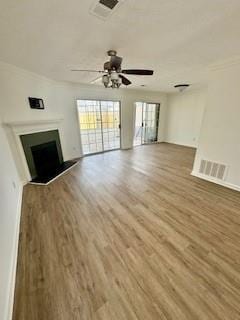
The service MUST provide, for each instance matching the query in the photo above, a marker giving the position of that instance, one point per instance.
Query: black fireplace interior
(46, 159)
(44, 156)
(47, 163)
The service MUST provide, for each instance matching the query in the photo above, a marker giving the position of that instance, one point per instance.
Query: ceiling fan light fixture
(105, 80)
(181, 87)
(114, 75)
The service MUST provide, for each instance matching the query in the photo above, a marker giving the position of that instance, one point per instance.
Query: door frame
(120, 125)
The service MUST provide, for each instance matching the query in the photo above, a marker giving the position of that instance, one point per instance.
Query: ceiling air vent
(103, 9)
(213, 169)
(110, 4)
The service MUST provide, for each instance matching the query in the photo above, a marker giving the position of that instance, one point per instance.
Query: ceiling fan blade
(97, 80)
(125, 81)
(115, 62)
(79, 70)
(138, 72)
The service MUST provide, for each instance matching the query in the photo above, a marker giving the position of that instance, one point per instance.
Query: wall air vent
(103, 9)
(213, 169)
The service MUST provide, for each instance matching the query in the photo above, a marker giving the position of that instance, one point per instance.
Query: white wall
(184, 117)
(60, 100)
(10, 203)
(220, 133)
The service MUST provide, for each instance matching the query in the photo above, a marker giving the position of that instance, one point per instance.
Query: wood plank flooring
(129, 235)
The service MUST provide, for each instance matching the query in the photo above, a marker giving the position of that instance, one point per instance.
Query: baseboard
(181, 144)
(15, 256)
(219, 182)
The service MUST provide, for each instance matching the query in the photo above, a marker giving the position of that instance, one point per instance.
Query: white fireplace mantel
(22, 127)
(17, 124)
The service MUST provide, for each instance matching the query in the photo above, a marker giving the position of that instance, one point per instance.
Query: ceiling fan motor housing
(112, 53)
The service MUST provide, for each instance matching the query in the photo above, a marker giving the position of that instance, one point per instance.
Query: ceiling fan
(113, 73)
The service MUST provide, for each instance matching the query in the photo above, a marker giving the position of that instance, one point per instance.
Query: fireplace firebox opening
(44, 156)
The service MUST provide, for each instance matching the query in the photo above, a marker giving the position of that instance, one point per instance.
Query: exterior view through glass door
(99, 123)
(146, 123)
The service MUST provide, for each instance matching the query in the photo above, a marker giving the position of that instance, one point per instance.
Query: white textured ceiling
(178, 39)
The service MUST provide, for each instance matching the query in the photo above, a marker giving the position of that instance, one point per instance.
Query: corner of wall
(14, 258)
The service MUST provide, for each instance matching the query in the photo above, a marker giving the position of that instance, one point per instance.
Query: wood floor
(129, 235)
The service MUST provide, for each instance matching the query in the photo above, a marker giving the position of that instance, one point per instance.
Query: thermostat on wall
(36, 103)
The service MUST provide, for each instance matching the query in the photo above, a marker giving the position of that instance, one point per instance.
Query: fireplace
(44, 156)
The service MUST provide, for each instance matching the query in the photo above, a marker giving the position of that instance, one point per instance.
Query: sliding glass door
(150, 122)
(99, 125)
(138, 134)
(146, 123)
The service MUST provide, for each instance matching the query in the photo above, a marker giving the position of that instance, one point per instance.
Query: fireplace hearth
(46, 179)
